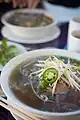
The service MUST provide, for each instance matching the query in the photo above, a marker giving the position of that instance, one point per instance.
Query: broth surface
(29, 19)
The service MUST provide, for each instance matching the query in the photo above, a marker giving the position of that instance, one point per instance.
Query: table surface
(60, 42)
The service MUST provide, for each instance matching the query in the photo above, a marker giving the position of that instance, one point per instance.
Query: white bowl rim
(3, 19)
(75, 19)
(41, 51)
(74, 36)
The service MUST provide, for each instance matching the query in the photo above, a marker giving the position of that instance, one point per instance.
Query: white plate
(21, 49)
(6, 32)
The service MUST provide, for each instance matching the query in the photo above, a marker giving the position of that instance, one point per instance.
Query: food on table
(29, 19)
(48, 83)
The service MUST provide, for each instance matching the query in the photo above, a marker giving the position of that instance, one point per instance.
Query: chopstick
(17, 110)
(14, 111)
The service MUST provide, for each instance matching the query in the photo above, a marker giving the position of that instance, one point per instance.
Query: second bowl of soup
(29, 23)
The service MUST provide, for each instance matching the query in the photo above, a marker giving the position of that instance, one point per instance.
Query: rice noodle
(64, 69)
(66, 73)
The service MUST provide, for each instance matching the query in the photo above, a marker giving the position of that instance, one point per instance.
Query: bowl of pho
(29, 23)
(45, 83)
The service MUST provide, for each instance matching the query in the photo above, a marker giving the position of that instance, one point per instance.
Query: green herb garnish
(7, 52)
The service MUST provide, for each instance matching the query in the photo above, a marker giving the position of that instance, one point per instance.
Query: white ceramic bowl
(26, 32)
(11, 97)
(74, 41)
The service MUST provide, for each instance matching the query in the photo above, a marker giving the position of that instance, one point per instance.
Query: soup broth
(26, 88)
(29, 19)
(23, 93)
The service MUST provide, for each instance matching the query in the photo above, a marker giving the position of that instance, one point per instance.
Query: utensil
(16, 110)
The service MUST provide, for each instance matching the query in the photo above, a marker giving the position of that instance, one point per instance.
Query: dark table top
(60, 42)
